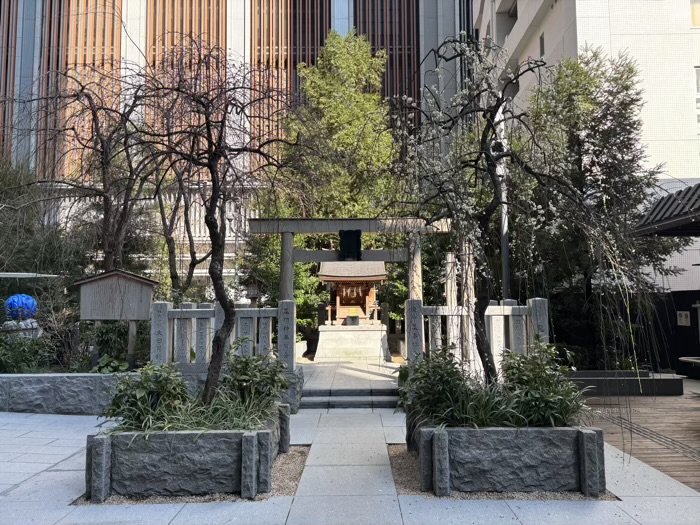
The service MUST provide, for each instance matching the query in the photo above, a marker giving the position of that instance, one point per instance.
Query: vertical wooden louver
(81, 36)
(8, 39)
(285, 33)
(392, 25)
(168, 21)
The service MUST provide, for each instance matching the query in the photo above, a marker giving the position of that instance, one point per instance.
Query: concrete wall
(512, 460)
(185, 463)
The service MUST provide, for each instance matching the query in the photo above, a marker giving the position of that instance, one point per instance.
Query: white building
(662, 36)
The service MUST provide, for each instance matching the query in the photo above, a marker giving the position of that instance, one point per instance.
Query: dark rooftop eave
(674, 215)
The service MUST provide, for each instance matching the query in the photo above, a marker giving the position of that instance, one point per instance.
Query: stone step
(350, 392)
(349, 402)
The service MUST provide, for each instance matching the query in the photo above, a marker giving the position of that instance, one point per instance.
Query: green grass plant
(533, 391)
(156, 399)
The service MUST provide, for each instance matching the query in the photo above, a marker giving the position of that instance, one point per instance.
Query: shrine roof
(352, 271)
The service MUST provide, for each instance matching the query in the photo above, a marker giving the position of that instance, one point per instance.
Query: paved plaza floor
(347, 479)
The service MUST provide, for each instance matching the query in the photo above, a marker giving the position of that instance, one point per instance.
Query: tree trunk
(482, 341)
(217, 235)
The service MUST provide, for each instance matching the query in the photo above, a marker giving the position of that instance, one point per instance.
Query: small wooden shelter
(353, 289)
(117, 296)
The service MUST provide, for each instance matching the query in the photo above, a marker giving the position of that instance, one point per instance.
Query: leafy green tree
(343, 148)
(337, 164)
(587, 121)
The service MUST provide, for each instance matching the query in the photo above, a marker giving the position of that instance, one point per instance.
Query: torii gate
(413, 227)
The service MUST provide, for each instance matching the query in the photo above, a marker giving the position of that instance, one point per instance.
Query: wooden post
(160, 333)
(131, 346)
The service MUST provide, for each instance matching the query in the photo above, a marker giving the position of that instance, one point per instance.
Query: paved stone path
(347, 481)
(367, 374)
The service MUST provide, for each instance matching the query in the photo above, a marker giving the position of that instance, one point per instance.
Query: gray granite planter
(185, 463)
(511, 460)
(90, 394)
(83, 394)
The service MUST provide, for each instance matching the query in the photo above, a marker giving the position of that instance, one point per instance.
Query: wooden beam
(333, 226)
(306, 256)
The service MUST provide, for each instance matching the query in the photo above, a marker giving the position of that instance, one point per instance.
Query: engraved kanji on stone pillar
(286, 336)
(160, 333)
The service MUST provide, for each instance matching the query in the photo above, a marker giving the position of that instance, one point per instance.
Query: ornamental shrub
(534, 391)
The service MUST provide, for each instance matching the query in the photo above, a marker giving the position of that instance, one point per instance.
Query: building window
(697, 97)
(695, 13)
(542, 44)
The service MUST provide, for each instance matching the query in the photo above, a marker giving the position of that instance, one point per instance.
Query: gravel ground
(404, 467)
(286, 473)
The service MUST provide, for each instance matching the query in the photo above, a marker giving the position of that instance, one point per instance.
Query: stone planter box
(185, 463)
(603, 383)
(90, 394)
(82, 394)
(511, 460)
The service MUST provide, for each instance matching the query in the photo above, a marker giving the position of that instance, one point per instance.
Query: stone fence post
(414, 329)
(160, 333)
(286, 333)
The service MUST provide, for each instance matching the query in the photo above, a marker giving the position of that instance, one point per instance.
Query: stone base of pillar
(292, 395)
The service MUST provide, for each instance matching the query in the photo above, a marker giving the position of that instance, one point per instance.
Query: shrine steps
(350, 398)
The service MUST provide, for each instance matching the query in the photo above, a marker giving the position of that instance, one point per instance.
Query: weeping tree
(586, 117)
(477, 158)
(209, 117)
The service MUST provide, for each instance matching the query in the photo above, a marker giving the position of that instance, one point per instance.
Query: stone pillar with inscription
(286, 333)
(287, 267)
(160, 333)
(414, 329)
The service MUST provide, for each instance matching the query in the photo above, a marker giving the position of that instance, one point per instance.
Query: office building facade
(40, 36)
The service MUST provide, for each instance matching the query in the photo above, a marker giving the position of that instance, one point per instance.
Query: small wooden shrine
(353, 291)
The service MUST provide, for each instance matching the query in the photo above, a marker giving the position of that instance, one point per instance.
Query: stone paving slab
(629, 477)
(271, 512)
(347, 411)
(359, 454)
(349, 435)
(15, 466)
(417, 510)
(350, 420)
(118, 514)
(656, 511)
(347, 481)
(42, 458)
(393, 419)
(570, 513)
(303, 428)
(345, 510)
(61, 488)
(46, 513)
(648, 496)
(395, 435)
